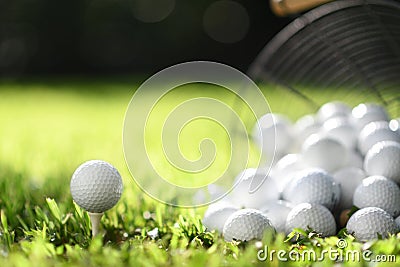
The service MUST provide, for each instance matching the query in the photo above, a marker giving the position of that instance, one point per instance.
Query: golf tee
(95, 219)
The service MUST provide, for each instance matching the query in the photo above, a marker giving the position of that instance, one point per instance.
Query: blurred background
(42, 37)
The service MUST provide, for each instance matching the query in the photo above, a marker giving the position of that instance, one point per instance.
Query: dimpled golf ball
(96, 186)
(273, 134)
(349, 179)
(245, 225)
(303, 128)
(370, 223)
(378, 191)
(333, 109)
(366, 113)
(314, 216)
(217, 214)
(253, 189)
(384, 159)
(375, 132)
(342, 130)
(355, 159)
(313, 186)
(395, 125)
(324, 152)
(277, 212)
(283, 170)
(398, 222)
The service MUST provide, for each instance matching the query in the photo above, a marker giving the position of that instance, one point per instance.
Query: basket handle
(287, 7)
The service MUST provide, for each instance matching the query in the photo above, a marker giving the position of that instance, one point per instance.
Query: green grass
(49, 128)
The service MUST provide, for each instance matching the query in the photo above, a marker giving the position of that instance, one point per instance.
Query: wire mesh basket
(352, 44)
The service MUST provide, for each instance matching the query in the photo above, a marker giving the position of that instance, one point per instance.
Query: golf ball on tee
(96, 186)
(368, 223)
(245, 225)
(384, 159)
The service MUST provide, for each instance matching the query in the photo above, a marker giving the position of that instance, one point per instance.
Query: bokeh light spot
(151, 11)
(226, 21)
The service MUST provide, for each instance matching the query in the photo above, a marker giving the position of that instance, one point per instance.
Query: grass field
(49, 128)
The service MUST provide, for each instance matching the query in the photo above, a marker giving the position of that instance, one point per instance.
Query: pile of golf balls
(324, 165)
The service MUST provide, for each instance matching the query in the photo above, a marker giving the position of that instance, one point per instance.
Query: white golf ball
(369, 223)
(314, 216)
(324, 152)
(212, 193)
(216, 191)
(342, 130)
(378, 191)
(217, 214)
(354, 159)
(366, 113)
(348, 178)
(313, 186)
(253, 189)
(277, 212)
(273, 135)
(283, 170)
(96, 186)
(303, 128)
(395, 125)
(333, 109)
(375, 132)
(398, 222)
(245, 225)
(384, 159)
